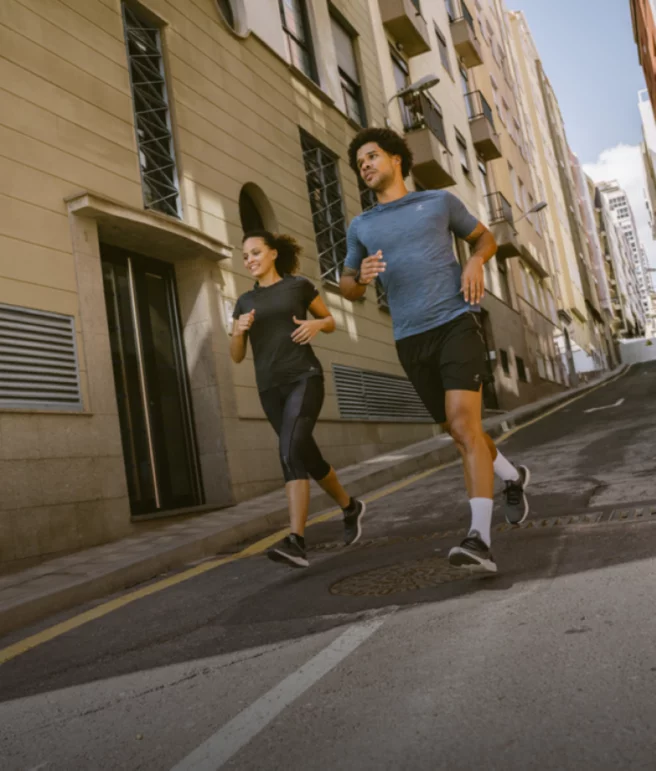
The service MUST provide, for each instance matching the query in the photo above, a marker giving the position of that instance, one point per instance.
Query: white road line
(607, 407)
(227, 741)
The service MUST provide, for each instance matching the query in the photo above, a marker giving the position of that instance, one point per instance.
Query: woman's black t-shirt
(278, 359)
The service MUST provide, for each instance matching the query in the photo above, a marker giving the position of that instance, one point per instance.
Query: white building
(624, 284)
(621, 208)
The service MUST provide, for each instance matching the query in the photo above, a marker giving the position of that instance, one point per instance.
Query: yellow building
(138, 140)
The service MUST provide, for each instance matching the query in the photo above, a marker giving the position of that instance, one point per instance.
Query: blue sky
(592, 62)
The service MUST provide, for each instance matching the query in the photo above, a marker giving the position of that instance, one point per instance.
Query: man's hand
(245, 322)
(371, 267)
(473, 280)
(307, 330)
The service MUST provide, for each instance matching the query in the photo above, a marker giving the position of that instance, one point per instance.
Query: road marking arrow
(607, 407)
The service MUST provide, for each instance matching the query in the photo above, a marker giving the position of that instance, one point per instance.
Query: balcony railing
(422, 112)
(499, 209)
(478, 106)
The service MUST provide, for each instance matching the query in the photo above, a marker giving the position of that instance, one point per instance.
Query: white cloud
(624, 164)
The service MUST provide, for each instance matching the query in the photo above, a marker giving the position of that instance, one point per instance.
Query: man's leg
(463, 409)
(516, 479)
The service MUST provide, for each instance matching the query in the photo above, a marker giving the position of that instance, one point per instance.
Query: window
(226, 10)
(505, 112)
(249, 214)
(513, 181)
(521, 199)
(504, 283)
(328, 217)
(367, 196)
(444, 51)
(521, 369)
(297, 31)
(485, 184)
(522, 275)
(517, 132)
(462, 153)
(450, 9)
(505, 364)
(152, 118)
(348, 72)
(401, 80)
(464, 80)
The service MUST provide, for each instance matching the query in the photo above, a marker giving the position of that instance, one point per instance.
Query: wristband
(357, 279)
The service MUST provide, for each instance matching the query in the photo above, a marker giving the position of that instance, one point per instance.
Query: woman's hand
(245, 322)
(307, 330)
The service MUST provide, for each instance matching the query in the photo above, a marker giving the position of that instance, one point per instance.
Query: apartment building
(621, 208)
(643, 19)
(137, 141)
(629, 319)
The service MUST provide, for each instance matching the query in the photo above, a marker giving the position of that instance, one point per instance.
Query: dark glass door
(159, 446)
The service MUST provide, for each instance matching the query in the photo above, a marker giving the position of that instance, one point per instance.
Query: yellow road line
(33, 641)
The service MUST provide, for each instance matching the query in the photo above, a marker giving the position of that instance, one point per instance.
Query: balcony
(404, 22)
(502, 225)
(481, 122)
(465, 40)
(426, 138)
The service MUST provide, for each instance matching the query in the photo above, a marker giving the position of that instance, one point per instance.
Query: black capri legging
(293, 410)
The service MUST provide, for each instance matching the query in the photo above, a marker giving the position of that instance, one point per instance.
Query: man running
(406, 239)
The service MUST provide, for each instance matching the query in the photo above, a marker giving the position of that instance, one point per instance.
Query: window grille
(159, 177)
(38, 360)
(366, 395)
(328, 217)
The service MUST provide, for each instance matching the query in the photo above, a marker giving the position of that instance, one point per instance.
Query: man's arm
(349, 287)
(353, 283)
(484, 247)
(483, 243)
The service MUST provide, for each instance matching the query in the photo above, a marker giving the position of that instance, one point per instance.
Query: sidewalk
(62, 583)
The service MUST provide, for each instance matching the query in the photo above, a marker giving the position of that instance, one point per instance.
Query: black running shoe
(516, 507)
(353, 523)
(473, 554)
(290, 552)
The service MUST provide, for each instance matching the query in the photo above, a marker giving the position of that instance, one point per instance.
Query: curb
(211, 534)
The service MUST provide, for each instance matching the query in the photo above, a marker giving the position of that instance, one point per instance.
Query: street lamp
(423, 84)
(538, 207)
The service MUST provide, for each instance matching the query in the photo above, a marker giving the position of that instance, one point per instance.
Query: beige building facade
(138, 141)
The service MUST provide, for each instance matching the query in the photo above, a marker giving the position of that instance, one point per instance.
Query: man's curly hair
(387, 140)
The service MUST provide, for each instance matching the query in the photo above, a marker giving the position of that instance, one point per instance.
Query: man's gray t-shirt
(423, 276)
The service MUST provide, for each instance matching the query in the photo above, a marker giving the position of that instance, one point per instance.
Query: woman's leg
(331, 484)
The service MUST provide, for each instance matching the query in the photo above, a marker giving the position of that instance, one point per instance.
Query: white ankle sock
(504, 469)
(481, 509)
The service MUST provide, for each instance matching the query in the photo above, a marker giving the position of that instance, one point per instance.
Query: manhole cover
(395, 579)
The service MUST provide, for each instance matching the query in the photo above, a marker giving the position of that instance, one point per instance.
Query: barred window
(159, 177)
(327, 205)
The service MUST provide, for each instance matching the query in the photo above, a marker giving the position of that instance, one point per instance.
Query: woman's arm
(323, 321)
(239, 340)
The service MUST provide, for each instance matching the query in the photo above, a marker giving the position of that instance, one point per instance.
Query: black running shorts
(451, 357)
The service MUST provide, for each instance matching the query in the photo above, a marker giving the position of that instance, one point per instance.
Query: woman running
(273, 315)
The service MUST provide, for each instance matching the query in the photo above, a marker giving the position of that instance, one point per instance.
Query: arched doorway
(255, 211)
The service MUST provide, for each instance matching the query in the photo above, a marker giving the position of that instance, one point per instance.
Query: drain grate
(396, 579)
(646, 514)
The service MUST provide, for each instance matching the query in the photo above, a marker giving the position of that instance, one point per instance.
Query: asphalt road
(380, 657)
